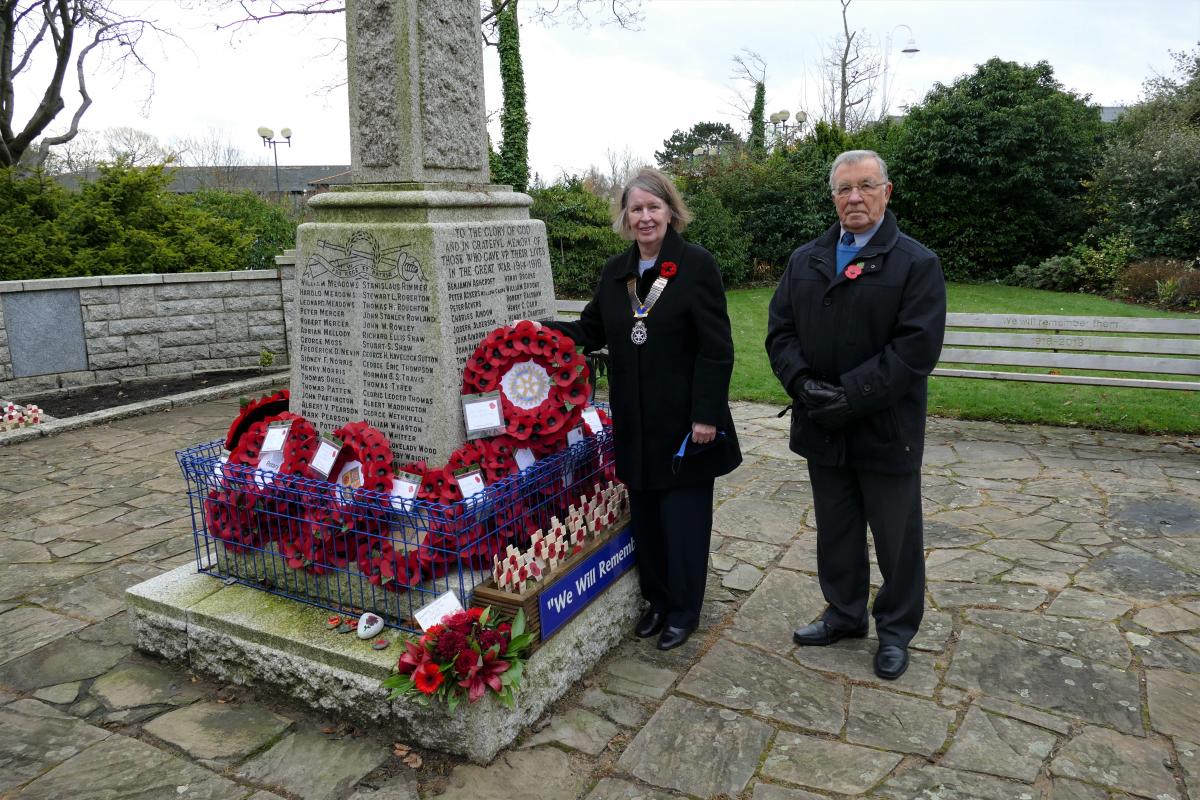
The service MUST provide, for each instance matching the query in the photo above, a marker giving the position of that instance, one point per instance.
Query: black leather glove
(834, 414)
(814, 392)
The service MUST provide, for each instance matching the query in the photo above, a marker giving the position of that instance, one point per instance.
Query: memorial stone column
(404, 270)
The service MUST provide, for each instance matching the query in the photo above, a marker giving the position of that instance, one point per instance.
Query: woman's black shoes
(650, 623)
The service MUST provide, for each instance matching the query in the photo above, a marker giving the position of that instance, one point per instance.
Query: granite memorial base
(247, 637)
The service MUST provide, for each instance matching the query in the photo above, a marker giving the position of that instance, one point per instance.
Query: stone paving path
(1060, 655)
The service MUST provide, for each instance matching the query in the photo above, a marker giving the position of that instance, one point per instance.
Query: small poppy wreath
(668, 270)
(542, 380)
(854, 270)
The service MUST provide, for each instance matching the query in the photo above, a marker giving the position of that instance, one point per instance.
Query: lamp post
(780, 120)
(269, 140)
(909, 48)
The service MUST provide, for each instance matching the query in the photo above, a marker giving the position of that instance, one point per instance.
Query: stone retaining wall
(69, 332)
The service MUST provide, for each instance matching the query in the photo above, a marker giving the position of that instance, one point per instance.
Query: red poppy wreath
(542, 380)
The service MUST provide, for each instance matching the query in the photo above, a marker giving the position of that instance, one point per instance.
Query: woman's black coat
(679, 376)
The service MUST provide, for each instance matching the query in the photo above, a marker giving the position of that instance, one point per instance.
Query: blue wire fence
(355, 550)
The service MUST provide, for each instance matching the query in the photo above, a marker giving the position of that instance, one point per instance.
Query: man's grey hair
(853, 157)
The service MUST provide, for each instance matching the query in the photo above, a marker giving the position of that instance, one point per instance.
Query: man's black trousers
(847, 500)
(671, 532)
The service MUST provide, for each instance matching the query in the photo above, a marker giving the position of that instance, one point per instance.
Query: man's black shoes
(819, 634)
(650, 624)
(672, 637)
(890, 661)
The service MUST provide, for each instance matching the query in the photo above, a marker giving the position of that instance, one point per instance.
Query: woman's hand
(703, 434)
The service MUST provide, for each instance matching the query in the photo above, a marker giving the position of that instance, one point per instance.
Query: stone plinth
(395, 287)
(240, 635)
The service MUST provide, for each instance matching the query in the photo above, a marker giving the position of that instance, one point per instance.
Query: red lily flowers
(471, 653)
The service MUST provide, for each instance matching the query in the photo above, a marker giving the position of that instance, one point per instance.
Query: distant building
(1110, 113)
(295, 182)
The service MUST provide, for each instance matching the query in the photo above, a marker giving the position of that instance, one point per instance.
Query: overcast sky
(601, 89)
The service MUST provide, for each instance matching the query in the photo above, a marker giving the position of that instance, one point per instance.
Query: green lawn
(1120, 409)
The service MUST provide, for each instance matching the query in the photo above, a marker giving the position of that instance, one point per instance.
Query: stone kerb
(247, 637)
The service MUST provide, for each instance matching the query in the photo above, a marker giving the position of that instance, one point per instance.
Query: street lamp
(909, 48)
(269, 140)
(780, 119)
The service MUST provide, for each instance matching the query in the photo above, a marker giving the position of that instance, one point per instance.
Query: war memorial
(146, 654)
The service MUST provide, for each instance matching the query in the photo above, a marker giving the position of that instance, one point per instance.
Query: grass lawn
(1109, 408)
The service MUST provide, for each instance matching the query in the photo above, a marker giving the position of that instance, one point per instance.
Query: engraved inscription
(384, 338)
(495, 273)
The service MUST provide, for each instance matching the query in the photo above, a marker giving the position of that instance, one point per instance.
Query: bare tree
(134, 147)
(849, 74)
(60, 32)
(625, 13)
(219, 163)
(79, 156)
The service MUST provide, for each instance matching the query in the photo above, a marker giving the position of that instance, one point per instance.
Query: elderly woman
(660, 309)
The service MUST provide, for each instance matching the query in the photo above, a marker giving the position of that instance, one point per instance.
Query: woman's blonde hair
(656, 183)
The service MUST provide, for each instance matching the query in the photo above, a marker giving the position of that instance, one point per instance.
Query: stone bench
(1073, 349)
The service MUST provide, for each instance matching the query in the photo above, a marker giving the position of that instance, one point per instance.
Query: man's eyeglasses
(866, 187)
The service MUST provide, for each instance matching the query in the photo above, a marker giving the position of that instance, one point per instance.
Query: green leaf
(518, 626)
(452, 701)
(518, 644)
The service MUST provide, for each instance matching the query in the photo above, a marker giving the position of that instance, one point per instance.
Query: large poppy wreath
(542, 380)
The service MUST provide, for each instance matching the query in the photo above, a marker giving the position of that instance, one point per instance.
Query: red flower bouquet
(470, 654)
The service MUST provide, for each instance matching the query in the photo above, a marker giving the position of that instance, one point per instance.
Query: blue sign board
(586, 581)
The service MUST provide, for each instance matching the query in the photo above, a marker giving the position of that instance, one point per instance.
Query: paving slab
(1067, 789)
(624, 711)
(957, 564)
(935, 631)
(760, 554)
(928, 781)
(1158, 651)
(854, 659)
(37, 738)
(96, 596)
(1189, 762)
(59, 695)
(397, 787)
(667, 752)
(999, 746)
(1155, 516)
(314, 766)
(1048, 679)
(1082, 603)
(544, 773)
(1134, 574)
(25, 629)
(616, 789)
(1023, 598)
(784, 601)
(767, 686)
(121, 768)
(1133, 764)
(576, 729)
(61, 661)
(742, 578)
(1163, 619)
(1101, 641)
(826, 765)
(770, 791)
(1174, 699)
(219, 734)
(635, 678)
(757, 519)
(896, 722)
(132, 685)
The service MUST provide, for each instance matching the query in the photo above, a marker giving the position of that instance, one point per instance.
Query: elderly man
(855, 329)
